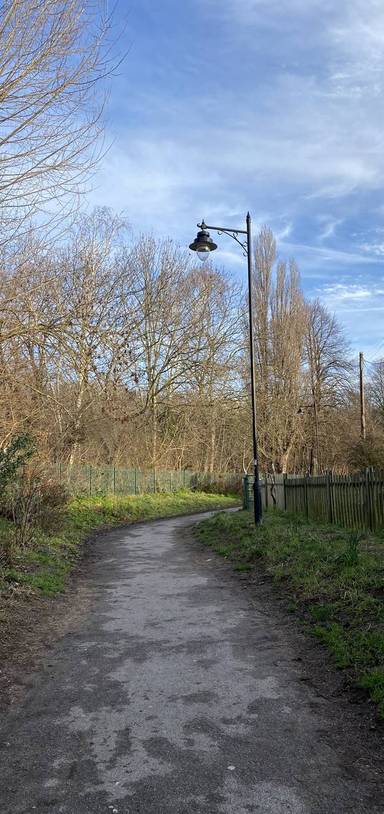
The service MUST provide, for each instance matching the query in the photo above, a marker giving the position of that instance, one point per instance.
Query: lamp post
(203, 245)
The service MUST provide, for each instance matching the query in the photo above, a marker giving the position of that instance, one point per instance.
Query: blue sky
(276, 106)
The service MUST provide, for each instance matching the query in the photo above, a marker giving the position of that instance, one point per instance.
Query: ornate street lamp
(203, 245)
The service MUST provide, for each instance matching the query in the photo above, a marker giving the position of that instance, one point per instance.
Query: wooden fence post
(330, 496)
(266, 490)
(285, 492)
(368, 499)
(306, 496)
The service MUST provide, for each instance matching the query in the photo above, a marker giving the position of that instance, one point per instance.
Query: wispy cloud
(377, 249)
(346, 293)
(320, 257)
(267, 12)
(279, 112)
(295, 131)
(329, 226)
(360, 308)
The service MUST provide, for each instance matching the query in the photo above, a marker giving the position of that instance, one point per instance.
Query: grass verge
(44, 568)
(334, 577)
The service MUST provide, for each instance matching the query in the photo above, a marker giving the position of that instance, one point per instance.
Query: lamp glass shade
(203, 245)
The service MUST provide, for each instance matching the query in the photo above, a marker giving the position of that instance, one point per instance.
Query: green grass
(45, 567)
(332, 577)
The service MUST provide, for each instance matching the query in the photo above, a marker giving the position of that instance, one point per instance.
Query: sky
(272, 106)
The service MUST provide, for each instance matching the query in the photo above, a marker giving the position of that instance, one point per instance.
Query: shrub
(367, 453)
(217, 484)
(35, 504)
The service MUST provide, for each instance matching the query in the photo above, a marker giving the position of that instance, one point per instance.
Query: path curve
(176, 693)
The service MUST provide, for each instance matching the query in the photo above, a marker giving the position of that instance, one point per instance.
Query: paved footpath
(176, 693)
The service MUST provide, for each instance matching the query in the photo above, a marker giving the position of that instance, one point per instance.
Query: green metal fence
(86, 479)
(353, 501)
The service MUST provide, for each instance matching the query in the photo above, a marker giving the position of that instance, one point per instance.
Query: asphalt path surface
(177, 692)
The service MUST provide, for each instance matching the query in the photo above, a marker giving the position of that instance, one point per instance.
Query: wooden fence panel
(353, 501)
(378, 499)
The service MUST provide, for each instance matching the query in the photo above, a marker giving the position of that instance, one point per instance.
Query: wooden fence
(353, 501)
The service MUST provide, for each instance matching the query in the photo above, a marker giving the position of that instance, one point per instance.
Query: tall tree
(278, 329)
(287, 326)
(329, 376)
(52, 67)
(94, 290)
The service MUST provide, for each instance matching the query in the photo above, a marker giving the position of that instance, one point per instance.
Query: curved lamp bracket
(233, 233)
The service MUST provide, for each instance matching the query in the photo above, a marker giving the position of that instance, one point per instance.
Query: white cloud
(329, 226)
(350, 32)
(352, 24)
(360, 309)
(298, 132)
(265, 11)
(154, 179)
(284, 232)
(376, 249)
(304, 137)
(319, 258)
(300, 141)
(360, 29)
(346, 292)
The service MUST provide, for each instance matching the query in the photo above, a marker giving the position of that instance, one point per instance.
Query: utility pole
(362, 398)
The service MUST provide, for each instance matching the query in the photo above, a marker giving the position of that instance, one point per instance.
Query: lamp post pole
(203, 245)
(257, 505)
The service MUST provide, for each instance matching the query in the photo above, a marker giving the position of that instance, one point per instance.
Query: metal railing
(86, 479)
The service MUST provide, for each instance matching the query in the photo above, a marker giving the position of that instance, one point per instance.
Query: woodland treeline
(118, 349)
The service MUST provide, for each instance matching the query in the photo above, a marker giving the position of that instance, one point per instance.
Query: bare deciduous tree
(120, 351)
(329, 375)
(279, 328)
(52, 65)
(376, 387)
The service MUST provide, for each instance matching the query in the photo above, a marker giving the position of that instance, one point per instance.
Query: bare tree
(287, 328)
(120, 351)
(278, 330)
(329, 375)
(376, 387)
(52, 65)
(94, 344)
(164, 316)
(214, 344)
